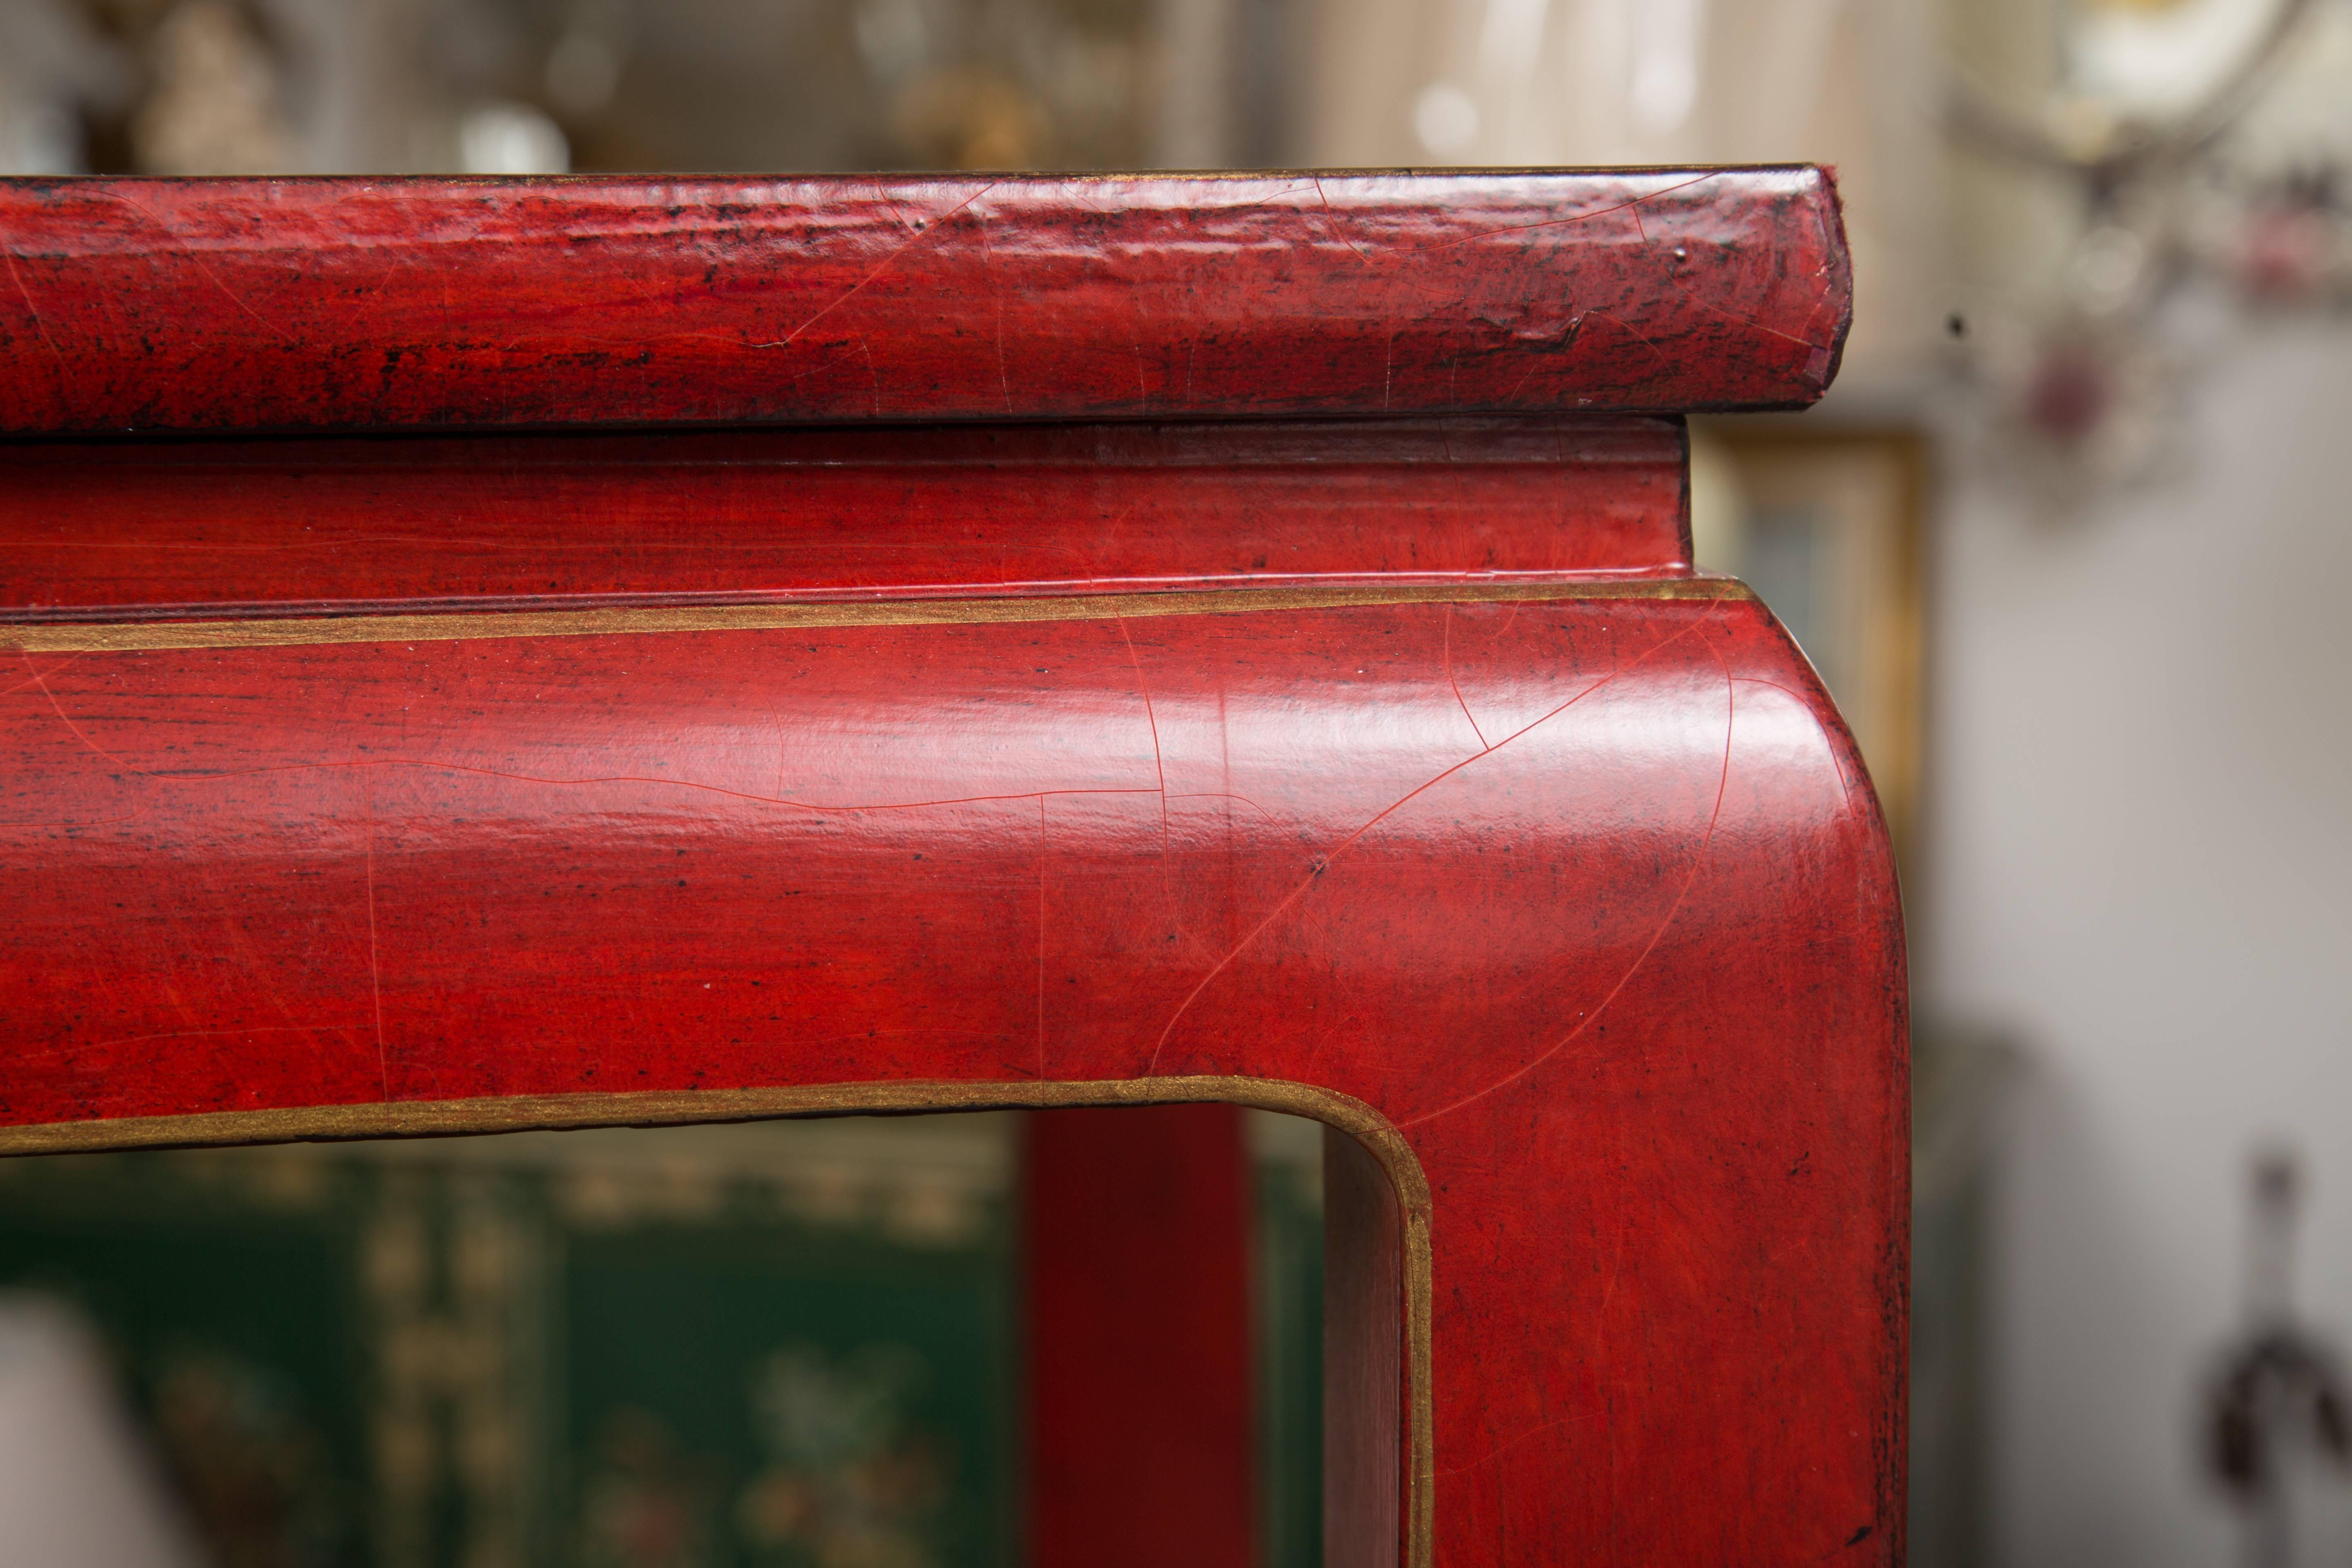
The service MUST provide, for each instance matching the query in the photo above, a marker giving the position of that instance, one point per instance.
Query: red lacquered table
(492, 654)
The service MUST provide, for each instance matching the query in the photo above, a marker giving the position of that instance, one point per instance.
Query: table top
(339, 304)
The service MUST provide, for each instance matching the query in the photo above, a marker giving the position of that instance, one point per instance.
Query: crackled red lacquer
(1589, 897)
(329, 304)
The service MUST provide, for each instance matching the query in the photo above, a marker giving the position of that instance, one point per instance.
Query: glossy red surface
(102, 531)
(1587, 897)
(1591, 900)
(1142, 1429)
(328, 304)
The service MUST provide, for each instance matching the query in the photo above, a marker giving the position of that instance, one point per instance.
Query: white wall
(2142, 864)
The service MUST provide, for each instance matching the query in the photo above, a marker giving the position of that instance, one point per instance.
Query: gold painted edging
(523, 1113)
(304, 631)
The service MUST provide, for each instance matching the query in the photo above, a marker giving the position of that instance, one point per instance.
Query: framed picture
(1826, 527)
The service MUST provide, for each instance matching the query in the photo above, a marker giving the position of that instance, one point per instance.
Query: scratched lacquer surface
(1551, 855)
(327, 304)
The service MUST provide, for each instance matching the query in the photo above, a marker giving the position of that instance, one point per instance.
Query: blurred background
(775, 1346)
(2069, 539)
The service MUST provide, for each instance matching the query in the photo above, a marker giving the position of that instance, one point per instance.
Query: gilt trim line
(463, 627)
